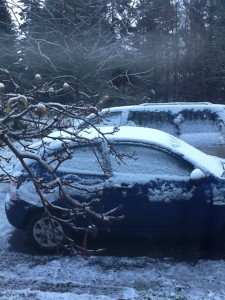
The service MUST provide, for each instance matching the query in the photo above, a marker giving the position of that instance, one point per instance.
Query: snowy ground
(168, 272)
(24, 275)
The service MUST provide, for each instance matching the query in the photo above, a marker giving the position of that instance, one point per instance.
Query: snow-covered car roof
(175, 107)
(149, 136)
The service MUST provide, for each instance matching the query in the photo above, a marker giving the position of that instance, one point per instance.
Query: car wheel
(45, 233)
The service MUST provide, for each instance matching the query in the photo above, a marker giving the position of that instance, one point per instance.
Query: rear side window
(196, 121)
(186, 121)
(149, 161)
(162, 120)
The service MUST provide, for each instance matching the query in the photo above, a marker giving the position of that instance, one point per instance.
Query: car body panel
(151, 214)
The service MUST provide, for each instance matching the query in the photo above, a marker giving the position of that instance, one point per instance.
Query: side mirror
(197, 176)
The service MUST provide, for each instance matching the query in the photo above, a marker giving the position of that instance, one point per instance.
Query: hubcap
(48, 233)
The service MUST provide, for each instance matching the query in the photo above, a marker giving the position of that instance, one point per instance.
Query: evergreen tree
(156, 29)
(7, 37)
(176, 48)
(215, 51)
(5, 20)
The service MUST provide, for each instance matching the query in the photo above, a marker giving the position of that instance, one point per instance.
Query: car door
(82, 170)
(155, 190)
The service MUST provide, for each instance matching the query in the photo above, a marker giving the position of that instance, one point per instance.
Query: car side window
(83, 160)
(161, 120)
(199, 121)
(138, 159)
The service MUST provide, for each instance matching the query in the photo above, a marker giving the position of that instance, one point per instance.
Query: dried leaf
(24, 100)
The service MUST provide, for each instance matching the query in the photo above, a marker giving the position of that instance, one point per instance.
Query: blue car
(160, 184)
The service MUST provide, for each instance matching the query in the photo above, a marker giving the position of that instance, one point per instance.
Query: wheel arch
(31, 214)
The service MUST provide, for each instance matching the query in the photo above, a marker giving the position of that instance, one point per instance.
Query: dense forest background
(130, 50)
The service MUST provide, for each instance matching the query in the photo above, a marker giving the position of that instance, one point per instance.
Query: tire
(45, 233)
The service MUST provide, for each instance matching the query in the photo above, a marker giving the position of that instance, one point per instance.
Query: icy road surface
(25, 275)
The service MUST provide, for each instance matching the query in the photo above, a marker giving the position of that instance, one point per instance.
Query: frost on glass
(81, 173)
(146, 160)
(162, 120)
(202, 128)
(83, 160)
(197, 125)
(163, 176)
(200, 121)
